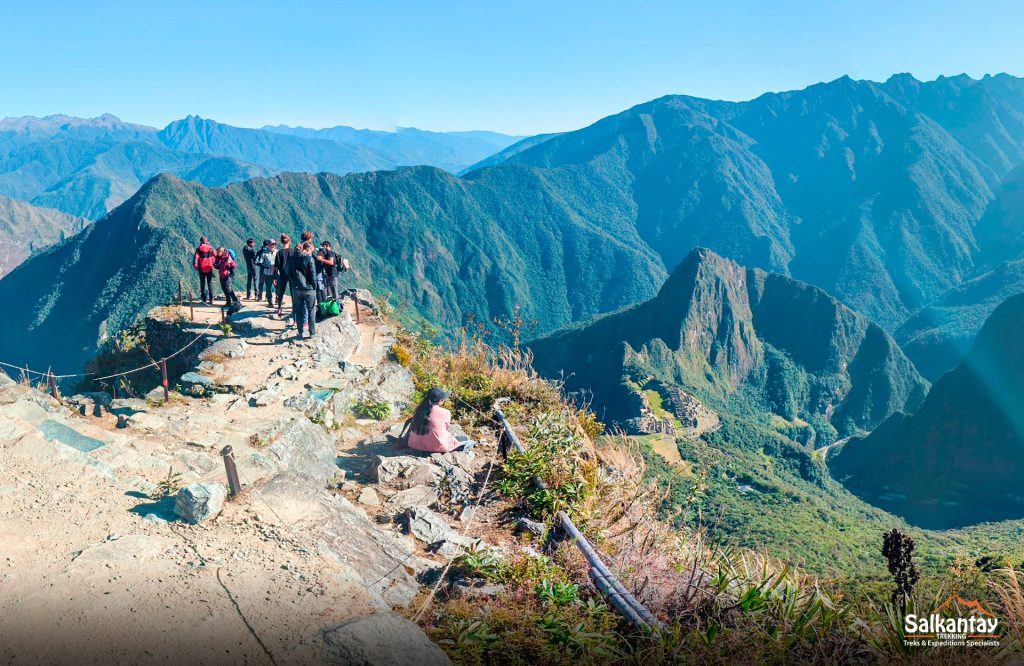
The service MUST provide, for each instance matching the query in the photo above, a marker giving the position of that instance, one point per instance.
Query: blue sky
(520, 67)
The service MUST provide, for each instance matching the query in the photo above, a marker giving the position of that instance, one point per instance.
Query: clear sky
(518, 66)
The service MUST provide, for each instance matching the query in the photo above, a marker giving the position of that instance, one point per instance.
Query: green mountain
(959, 458)
(25, 229)
(86, 167)
(447, 248)
(408, 146)
(746, 342)
(872, 191)
(938, 335)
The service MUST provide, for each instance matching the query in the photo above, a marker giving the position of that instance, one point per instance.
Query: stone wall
(167, 331)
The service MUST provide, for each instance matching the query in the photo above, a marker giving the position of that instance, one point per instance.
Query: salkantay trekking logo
(956, 622)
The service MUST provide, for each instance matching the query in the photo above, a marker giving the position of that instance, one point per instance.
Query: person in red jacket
(226, 265)
(203, 263)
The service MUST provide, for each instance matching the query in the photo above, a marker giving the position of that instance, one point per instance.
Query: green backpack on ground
(329, 308)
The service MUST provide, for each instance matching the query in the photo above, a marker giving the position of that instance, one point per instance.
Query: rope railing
(152, 364)
(621, 599)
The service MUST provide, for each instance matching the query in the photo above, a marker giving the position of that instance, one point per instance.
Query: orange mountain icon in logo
(962, 603)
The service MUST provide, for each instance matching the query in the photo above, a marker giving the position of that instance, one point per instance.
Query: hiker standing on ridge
(251, 276)
(203, 263)
(281, 266)
(265, 265)
(326, 265)
(302, 276)
(226, 265)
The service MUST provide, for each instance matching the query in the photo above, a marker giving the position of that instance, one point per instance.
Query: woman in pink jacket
(429, 429)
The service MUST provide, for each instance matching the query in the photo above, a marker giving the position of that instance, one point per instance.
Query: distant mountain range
(86, 167)
(880, 193)
(958, 459)
(746, 341)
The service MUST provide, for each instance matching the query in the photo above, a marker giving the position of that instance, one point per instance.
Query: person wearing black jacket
(302, 276)
(284, 254)
(326, 268)
(251, 277)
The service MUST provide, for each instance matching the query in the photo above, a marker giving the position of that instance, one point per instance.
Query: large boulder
(382, 639)
(335, 341)
(197, 502)
(391, 383)
(303, 447)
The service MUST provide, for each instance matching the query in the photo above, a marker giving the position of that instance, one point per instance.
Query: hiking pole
(163, 372)
(232, 472)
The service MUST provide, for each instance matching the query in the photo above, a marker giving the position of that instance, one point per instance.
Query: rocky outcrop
(303, 448)
(374, 555)
(380, 640)
(335, 341)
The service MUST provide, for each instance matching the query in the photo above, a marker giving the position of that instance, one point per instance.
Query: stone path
(92, 565)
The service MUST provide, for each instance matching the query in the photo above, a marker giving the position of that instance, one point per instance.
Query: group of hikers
(311, 273)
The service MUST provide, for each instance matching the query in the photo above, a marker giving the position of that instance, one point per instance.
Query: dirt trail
(91, 567)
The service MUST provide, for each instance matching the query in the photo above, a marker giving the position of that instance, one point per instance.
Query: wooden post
(355, 300)
(54, 391)
(191, 307)
(232, 472)
(163, 373)
(223, 315)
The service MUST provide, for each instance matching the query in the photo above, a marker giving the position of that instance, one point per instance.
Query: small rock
(211, 368)
(431, 528)
(368, 497)
(420, 495)
(531, 526)
(288, 372)
(155, 519)
(349, 487)
(197, 502)
(466, 514)
(195, 378)
(156, 396)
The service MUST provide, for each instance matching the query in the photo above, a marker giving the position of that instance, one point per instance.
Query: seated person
(430, 428)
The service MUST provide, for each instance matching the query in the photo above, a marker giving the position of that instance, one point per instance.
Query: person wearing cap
(430, 426)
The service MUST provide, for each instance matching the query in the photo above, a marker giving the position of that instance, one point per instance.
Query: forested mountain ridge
(745, 341)
(448, 249)
(25, 229)
(958, 459)
(873, 191)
